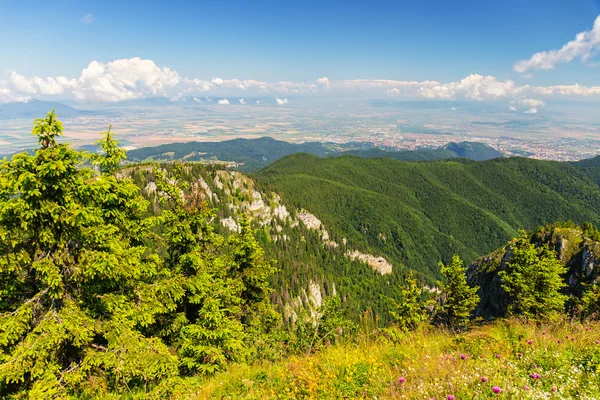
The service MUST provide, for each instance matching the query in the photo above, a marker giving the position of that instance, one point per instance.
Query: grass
(434, 363)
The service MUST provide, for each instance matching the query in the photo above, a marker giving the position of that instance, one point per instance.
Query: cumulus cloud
(324, 82)
(242, 101)
(474, 86)
(512, 108)
(531, 103)
(585, 45)
(532, 110)
(223, 102)
(88, 18)
(7, 95)
(134, 78)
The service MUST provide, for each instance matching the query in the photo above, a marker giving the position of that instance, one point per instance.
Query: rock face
(574, 249)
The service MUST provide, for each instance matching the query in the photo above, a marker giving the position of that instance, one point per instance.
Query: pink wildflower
(401, 379)
(484, 379)
(496, 389)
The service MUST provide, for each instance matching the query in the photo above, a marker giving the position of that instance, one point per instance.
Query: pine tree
(532, 280)
(77, 283)
(459, 299)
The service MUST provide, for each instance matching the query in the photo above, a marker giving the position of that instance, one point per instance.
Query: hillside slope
(258, 153)
(416, 214)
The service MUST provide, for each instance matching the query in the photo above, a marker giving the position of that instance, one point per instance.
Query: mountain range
(258, 153)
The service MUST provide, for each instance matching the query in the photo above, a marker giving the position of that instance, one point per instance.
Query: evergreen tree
(532, 280)
(458, 297)
(409, 312)
(77, 284)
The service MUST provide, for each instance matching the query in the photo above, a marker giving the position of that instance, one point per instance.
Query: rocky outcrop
(580, 254)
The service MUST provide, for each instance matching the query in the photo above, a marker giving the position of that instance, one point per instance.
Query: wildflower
(530, 341)
(559, 341)
(597, 342)
(525, 387)
(463, 357)
(544, 332)
(535, 376)
(497, 355)
(554, 389)
(496, 389)
(567, 337)
(520, 355)
(587, 328)
(534, 366)
(484, 379)
(573, 338)
(401, 379)
(450, 397)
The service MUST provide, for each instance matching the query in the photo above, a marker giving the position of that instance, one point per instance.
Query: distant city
(549, 134)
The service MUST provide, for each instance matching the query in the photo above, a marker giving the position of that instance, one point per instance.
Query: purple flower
(573, 338)
(450, 397)
(597, 342)
(559, 341)
(401, 379)
(544, 332)
(535, 376)
(484, 379)
(554, 389)
(463, 357)
(496, 389)
(497, 355)
(587, 328)
(530, 341)
(567, 337)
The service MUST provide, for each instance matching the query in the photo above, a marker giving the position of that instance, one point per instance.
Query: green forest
(180, 280)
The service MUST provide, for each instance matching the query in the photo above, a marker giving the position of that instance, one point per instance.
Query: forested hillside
(257, 153)
(417, 214)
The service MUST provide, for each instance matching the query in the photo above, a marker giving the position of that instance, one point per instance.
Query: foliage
(409, 312)
(459, 299)
(77, 282)
(532, 280)
(417, 214)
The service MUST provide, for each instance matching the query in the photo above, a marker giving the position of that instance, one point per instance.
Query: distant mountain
(258, 153)
(37, 108)
(254, 153)
(418, 213)
(470, 150)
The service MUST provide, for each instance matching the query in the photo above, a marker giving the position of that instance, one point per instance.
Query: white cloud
(585, 45)
(135, 78)
(242, 101)
(512, 108)
(223, 102)
(532, 110)
(531, 103)
(324, 82)
(88, 18)
(7, 95)
(123, 79)
(474, 86)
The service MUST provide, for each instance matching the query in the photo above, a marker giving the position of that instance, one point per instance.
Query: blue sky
(300, 41)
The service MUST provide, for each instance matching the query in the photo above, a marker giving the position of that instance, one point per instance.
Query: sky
(109, 51)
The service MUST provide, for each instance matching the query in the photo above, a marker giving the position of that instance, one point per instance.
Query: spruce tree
(532, 280)
(409, 313)
(77, 284)
(459, 299)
